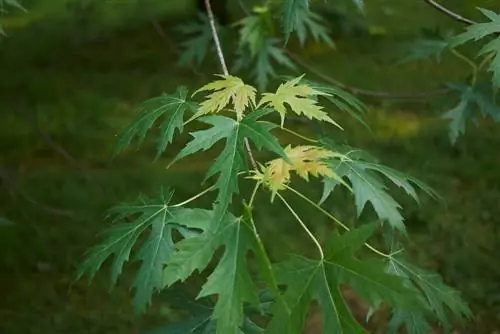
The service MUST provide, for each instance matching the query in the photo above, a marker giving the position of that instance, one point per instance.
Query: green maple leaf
(196, 42)
(262, 65)
(440, 298)
(297, 17)
(170, 108)
(307, 280)
(367, 277)
(480, 30)
(145, 214)
(231, 160)
(300, 99)
(230, 280)
(472, 99)
(367, 185)
(415, 323)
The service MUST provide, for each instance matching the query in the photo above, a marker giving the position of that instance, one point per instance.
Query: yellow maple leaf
(230, 88)
(298, 97)
(304, 160)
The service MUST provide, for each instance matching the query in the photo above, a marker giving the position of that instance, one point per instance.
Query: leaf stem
(254, 193)
(304, 226)
(335, 219)
(296, 134)
(469, 62)
(189, 200)
(223, 64)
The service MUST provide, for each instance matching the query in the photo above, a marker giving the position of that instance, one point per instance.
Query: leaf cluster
(173, 242)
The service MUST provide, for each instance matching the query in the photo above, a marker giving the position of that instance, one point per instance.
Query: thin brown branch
(365, 92)
(215, 35)
(223, 64)
(450, 13)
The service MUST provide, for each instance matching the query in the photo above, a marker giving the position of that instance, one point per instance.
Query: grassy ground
(82, 91)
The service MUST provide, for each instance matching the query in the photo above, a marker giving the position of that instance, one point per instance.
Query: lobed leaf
(170, 108)
(297, 17)
(299, 98)
(440, 298)
(228, 89)
(230, 280)
(262, 65)
(368, 186)
(303, 160)
(472, 99)
(132, 220)
(196, 41)
(478, 31)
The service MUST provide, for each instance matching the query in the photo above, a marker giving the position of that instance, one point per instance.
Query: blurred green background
(72, 74)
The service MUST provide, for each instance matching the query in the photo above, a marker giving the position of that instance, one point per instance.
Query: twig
(365, 92)
(215, 35)
(450, 13)
(223, 64)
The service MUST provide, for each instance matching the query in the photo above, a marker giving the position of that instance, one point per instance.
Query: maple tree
(182, 239)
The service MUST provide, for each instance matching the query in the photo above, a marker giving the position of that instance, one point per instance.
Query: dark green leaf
(131, 221)
(307, 280)
(168, 107)
(230, 279)
(297, 17)
(478, 31)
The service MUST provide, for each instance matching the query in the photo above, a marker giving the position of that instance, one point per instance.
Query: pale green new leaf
(132, 220)
(367, 185)
(230, 280)
(480, 30)
(228, 89)
(169, 110)
(300, 98)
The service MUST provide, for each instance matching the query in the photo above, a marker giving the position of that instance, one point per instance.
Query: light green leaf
(300, 98)
(132, 220)
(228, 88)
(170, 109)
